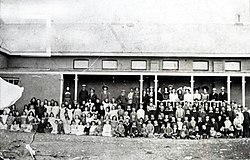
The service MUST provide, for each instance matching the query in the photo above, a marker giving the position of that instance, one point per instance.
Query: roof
(133, 39)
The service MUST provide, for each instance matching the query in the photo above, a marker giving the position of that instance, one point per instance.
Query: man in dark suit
(223, 95)
(214, 96)
(83, 95)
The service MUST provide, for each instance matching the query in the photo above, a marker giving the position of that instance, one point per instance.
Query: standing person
(136, 98)
(197, 95)
(214, 96)
(130, 97)
(92, 95)
(246, 123)
(83, 95)
(67, 95)
(122, 100)
(204, 94)
(105, 93)
(159, 95)
(222, 95)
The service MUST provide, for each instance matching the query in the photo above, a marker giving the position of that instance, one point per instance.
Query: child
(60, 127)
(98, 129)
(162, 130)
(150, 129)
(156, 128)
(144, 130)
(79, 129)
(78, 111)
(198, 133)
(192, 123)
(48, 128)
(48, 107)
(114, 124)
(92, 130)
(120, 130)
(184, 134)
(89, 118)
(55, 109)
(168, 131)
(73, 128)
(205, 132)
(107, 129)
(120, 111)
(213, 133)
(70, 112)
(15, 127)
(126, 125)
(4, 117)
(55, 127)
(238, 126)
(134, 132)
(41, 126)
(86, 129)
(227, 125)
(175, 131)
(77, 119)
(231, 132)
(66, 124)
(179, 125)
(10, 120)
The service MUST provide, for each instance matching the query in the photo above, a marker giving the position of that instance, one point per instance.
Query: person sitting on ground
(15, 127)
(168, 131)
(150, 129)
(98, 129)
(107, 129)
(120, 130)
(86, 129)
(134, 132)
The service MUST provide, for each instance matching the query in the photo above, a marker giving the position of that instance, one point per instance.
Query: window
(200, 65)
(81, 64)
(173, 65)
(12, 80)
(154, 65)
(139, 65)
(109, 64)
(232, 66)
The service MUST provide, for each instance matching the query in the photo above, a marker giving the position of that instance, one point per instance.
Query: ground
(69, 147)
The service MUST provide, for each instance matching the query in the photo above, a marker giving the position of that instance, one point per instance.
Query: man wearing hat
(105, 93)
(214, 96)
(222, 95)
(83, 95)
(92, 95)
(122, 100)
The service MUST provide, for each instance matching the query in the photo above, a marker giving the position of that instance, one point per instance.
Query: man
(105, 93)
(246, 123)
(214, 96)
(223, 95)
(83, 95)
(92, 95)
(122, 100)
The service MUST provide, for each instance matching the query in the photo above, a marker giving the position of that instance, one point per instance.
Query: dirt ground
(70, 147)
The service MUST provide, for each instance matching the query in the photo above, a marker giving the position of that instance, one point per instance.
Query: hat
(170, 86)
(222, 88)
(84, 85)
(105, 86)
(123, 90)
(214, 89)
(92, 89)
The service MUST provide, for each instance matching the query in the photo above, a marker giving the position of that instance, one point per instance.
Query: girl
(107, 113)
(134, 132)
(113, 103)
(63, 110)
(15, 127)
(86, 129)
(55, 109)
(73, 128)
(55, 127)
(66, 124)
(77, 119)
(114, 124)
(78, 111)
(106, 104)
(10, 120)
(89, 104)
(26, 108)
(184, 133)
(107, 129)
(92, 130)
(101, 112)
(70, 112)
(48, 107)
(150, 129)
(32, 109)
(4, 117)
(98, 129)
(89, 118)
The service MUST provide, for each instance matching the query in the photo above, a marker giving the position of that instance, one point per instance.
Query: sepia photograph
(124, 79)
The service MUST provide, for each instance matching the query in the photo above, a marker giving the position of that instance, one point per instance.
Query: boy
(168, 131)
(120, 130)
(150, 129)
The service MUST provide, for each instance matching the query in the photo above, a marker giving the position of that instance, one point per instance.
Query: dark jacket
(223, 97)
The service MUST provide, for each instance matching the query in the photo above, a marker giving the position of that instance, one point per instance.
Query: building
(49, 45)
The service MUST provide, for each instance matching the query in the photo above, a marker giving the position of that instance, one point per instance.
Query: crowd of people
(176, 114)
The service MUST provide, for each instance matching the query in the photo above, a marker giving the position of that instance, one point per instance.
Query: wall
(124, 63)
(3, 60)
(41, 86)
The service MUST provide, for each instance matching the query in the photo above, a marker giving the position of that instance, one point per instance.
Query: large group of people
(176, 114)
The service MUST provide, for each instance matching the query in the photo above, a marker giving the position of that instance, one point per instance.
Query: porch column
(228, 89)
(61, 89)
(76, 87)
(243, 91)
(192, 87)
(141, 88)
(156, 84)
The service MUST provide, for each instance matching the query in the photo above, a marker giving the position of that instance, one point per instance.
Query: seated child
(198, 133)
(175, 131)
(179, 125)
(15, 127)
(55, 109)
(80, 129)
(66, 124)
(41, 126)
(73, 128)
(48, 128)
(168, 131)
(205, 132)
(10, 120)
(213, 133)
(98, 129)
(60, 127)
(162, 130)
(134, 132)
(86, 129)
(150, 129)
(184, 134)
(107, 129)
(156, 128)
(144, 130)
(120, 130)
(231, 132)
(55, 127)
(92, 129)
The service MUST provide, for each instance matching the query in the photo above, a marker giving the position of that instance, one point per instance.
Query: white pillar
(192, 87)
(156, 84)
(76, 87)
(243, 91)
(141, 88)
(61, 89)
(228, 89)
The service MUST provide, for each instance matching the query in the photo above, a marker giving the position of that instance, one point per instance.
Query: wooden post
(141, 87)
